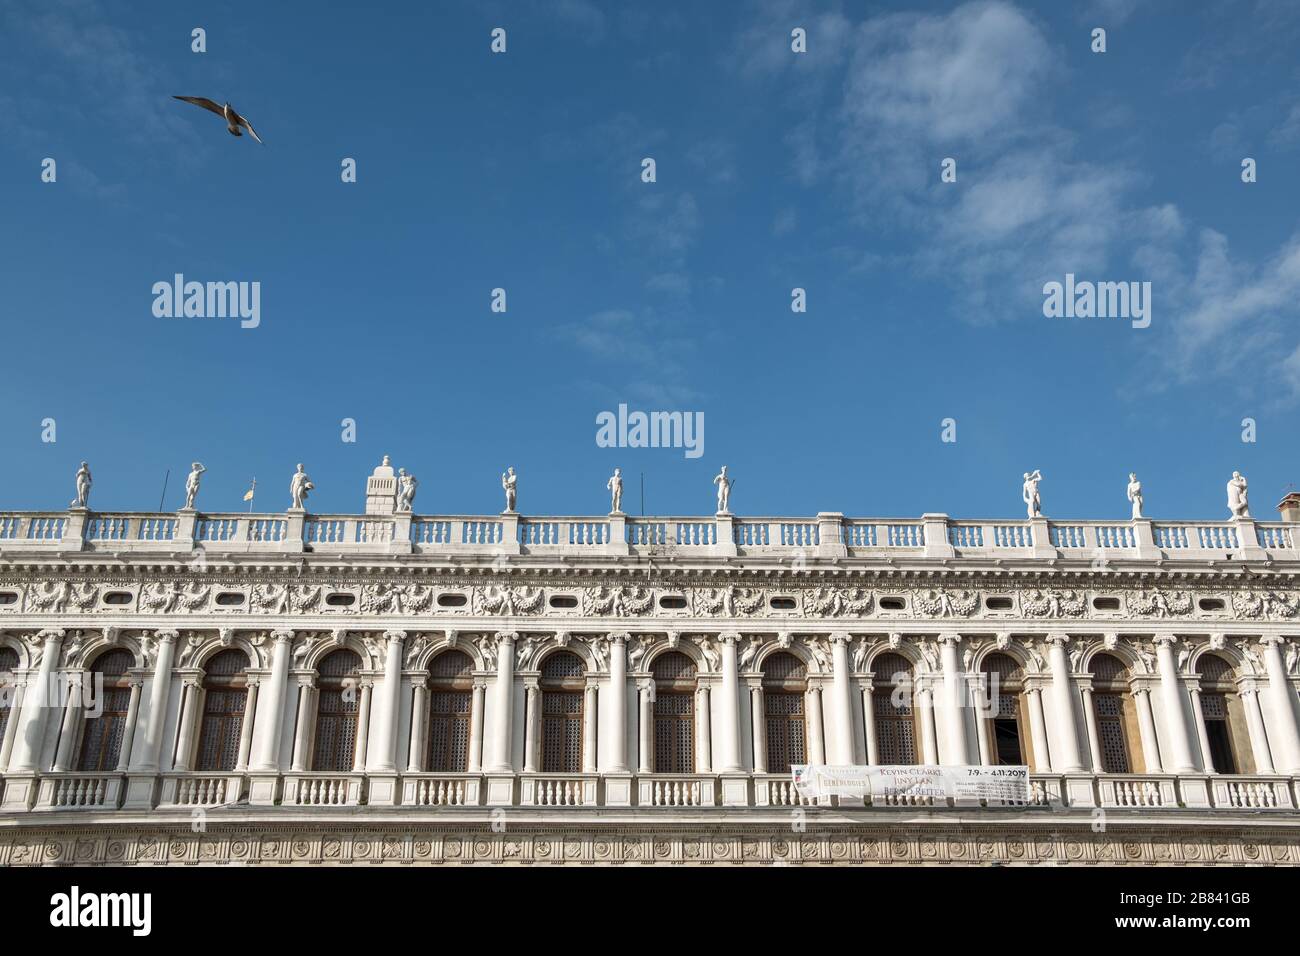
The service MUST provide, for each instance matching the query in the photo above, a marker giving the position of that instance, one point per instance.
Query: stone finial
(382, 490)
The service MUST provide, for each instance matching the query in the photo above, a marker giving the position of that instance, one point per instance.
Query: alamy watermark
(639, 429)
(1098, 300)
(179, 299)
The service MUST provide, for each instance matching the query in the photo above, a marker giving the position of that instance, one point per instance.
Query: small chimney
(381, 490)
(1289, 507)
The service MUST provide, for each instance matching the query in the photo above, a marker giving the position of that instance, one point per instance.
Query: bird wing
(203, 101)
(249, 126)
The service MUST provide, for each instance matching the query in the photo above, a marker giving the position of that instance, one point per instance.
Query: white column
(1147, 730)
(1258, 735)
(647, 724)
(532, 727)
(590, 713)
(245, 725)
(268, 758)
(983, 715)
(1286, 730)
(151, 743)
(71, 718)
(301, 729)
(191, 693)
(503, 704)
(842, 749)
(1066, 748)
(1202, 735)
(474, 764)
(758, 714)
(953, 713)
(363, 728)
(1094, 738)
(11, 726)
(419, 726)
(869, 720)
(617, 709)
(31, 735)
(729, 732)
(388, 707)
(128, 732)
(704, 758)
(1038, 731)
(929, 736)
(816, 732)
(1171, 699)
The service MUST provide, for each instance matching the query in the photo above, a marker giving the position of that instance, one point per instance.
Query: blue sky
(775, 170)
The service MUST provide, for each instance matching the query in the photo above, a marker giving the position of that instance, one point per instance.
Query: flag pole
(252, 492)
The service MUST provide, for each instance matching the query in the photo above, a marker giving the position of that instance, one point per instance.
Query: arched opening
(1225, 720)
(563, 682)
(891, 706)
(674, 713)
(1005, 687)
(101, 738)
(451, 695)
(785, 686)
(225, 695)
(336, 711)
(1116, 715)
(8, 664)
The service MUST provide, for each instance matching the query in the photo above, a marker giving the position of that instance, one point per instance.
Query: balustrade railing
(827, 536)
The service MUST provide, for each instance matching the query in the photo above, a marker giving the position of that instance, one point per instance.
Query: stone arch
(320, 649)
(441, 644)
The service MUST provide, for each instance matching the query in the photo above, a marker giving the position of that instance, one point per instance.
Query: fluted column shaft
(268, 756)
(503, 705)
(729, 731)
(151, 744)
(618, 703)
(842, 750)
(1171, 699)
(1068, 759)
(954, 713)
(387, 707)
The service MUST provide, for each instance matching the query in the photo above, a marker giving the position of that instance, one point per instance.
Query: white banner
(996, 784)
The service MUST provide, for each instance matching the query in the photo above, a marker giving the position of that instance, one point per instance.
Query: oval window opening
(117, 597)
(561, 600)
(451, 600)
(1106, 603)
(1210, 604)
(341, 600)
(998, 604)
(782, 604)
(672, 602)
(893, 604)
(230, 599)
(8, 597)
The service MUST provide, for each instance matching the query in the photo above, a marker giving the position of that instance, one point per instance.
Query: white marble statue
(299, 486)
(1135, 494)
(83, 487)
(615, 486)
(406, 485)
(509, 481)
(1029, 493)
(192, 485)
(724, 491)
(1237, 503)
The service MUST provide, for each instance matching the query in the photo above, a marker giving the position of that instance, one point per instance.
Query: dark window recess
(1210, 604)
(1106, 603)
(451, 600)
(1006, 734)
(230, 598)
(8, 597)
(998, 603)
(563, 600)
(117, 597)
(341, 599)
(893, 604)
(782, 604)
(1220, 746)
(672, 602)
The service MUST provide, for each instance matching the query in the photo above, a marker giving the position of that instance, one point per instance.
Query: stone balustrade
(826, 536)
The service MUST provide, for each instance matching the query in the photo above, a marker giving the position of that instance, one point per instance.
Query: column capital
(618, 637)
(948, 638)
(509, 636)
(49, 634)
(840, 637)
(304, 680)
(729, 637)
(395, 635)
(1057, 639)
(647, 686)
(1165, 640)
(280, 635)
(1273, 639)
(167, 636)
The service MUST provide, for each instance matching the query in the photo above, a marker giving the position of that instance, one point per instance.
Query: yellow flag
(248, 495)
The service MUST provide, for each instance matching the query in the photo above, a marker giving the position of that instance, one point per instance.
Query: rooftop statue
(299, 486)
(192, 485)
(1029, 493)
(1237, 503)
(724, 491)
(406, 485)
(615, 486)
(510, 481)
(1135, 495)
(83, 487)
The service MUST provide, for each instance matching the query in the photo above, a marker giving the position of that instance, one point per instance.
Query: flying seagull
(233, 119)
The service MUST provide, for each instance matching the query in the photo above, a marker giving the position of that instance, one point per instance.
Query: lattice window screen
(561, 731)
(1110, 727)
(786, 740)
(674, 728)
(449, 731)
(223, 719)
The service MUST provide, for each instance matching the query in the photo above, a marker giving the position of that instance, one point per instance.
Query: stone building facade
(402, 688)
